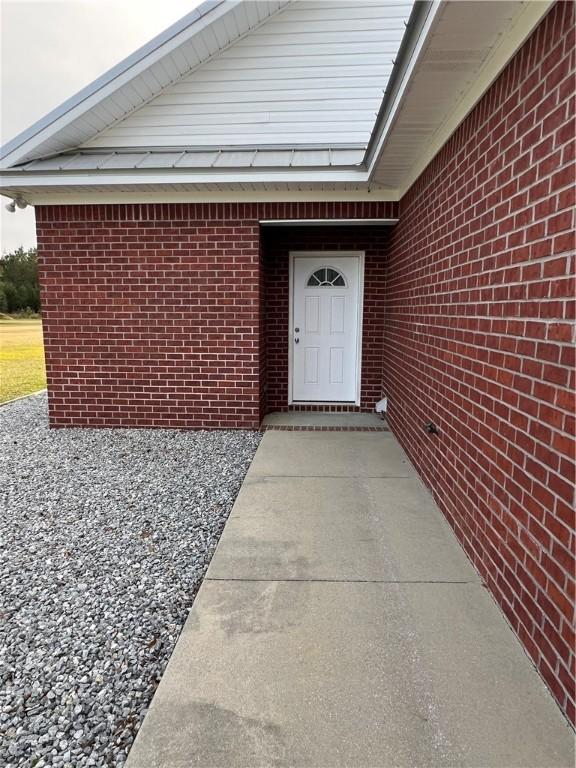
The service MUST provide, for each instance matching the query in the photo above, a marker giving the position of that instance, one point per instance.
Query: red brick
(191, 273)
(177, 316)
(482, 385)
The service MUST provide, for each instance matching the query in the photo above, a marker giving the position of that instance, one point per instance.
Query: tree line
(19, 289)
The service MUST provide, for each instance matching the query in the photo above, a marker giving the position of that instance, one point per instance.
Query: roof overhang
(451, 53)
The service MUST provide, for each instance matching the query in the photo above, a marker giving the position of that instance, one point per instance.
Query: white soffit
(468, 46)
(208, 192)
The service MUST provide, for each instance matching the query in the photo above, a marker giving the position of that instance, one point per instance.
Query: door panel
(325, 334)
(337, 313)
(336, 365)
(312, 314)
(311, 365)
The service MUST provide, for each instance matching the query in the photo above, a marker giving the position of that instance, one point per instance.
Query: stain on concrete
(210, 735)
(271, 609)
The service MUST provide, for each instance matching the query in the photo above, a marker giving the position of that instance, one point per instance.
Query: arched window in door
(326, 277)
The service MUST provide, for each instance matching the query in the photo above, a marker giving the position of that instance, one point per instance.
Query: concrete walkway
(340, 624)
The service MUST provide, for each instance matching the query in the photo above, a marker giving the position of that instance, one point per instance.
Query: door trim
(360, 255)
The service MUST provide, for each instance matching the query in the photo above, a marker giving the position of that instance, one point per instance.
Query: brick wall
(277, 243)
(479, 325)
(152, 313)
(153, 317)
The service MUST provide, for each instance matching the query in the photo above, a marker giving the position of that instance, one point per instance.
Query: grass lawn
(21, 358)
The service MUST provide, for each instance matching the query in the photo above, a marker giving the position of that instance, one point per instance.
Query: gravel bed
(105, 536)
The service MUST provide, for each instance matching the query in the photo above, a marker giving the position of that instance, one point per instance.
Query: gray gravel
(105, 536)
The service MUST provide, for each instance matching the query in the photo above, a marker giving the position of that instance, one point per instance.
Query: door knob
(296, 341)
(297, 330)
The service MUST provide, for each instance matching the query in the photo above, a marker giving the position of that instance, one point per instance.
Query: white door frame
(360, 255)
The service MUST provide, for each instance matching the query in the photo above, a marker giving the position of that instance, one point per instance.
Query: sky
(50, 49)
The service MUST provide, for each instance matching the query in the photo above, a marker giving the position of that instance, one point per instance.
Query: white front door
(325, 327)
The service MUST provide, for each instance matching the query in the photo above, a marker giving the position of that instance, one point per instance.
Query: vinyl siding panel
(313, 73)
(179, 59)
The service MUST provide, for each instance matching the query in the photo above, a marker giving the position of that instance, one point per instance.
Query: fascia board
(375, 148)
(11, 178)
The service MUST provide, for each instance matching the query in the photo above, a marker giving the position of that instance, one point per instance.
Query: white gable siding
(312, 74)
(167, 58)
